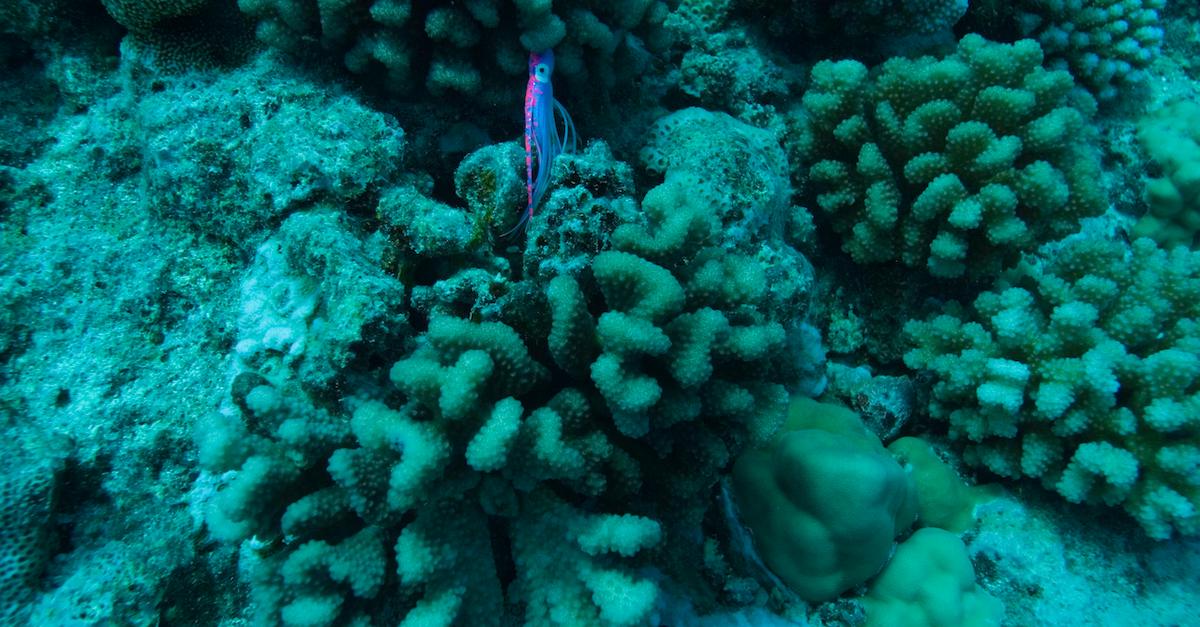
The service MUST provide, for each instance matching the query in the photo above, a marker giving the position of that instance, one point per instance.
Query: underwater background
(840, 313)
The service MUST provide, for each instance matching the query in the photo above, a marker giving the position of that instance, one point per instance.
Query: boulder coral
(824, 501)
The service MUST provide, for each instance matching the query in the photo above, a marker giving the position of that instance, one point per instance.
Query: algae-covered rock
(244, 149)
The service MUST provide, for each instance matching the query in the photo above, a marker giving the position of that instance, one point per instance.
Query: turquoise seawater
(600, 312)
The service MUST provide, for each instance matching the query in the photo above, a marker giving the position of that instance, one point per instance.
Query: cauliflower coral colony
(590, 423)
(624, 412)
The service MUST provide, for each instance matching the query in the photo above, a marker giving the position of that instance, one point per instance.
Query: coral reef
(577, 220)
(116, 322)
(633, 371)
(267, 355)
(954, 165)
(31, 19)
(930, 582)
(1171, 136)
(743, 174)
(313, 298)
(850, 24)
(910, 17)
(886, 403)
(824, 501)
(1106, 44)
(257, 144)
(27, 503)
(1079, 369)
(746, 170)
(592, 40)
(185, 33)
(721, 67)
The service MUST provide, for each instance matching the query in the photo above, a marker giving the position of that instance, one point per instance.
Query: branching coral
(1080, 369)
(1106, 44)
(956, 164)
(576, 435)
(589, 38)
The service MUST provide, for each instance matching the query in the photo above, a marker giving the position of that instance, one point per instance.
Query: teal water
(822, 313)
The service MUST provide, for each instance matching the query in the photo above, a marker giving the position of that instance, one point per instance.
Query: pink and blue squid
(542, 141)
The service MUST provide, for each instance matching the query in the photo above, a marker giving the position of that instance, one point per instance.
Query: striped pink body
(533, 93)
(542, 141)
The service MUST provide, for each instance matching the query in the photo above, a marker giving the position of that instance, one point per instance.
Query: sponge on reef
(944, 500)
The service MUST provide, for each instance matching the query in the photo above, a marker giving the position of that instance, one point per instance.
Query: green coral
(741, 174)
(956, 164)
(824, 501)
(1080, 368)
(1106, 44)
(388, 37)
(628, 385)
(185, 33)
(439, 456)
(665, 315)
(930, 582)
(944, 500)
(1171, 136)
(575, 582)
